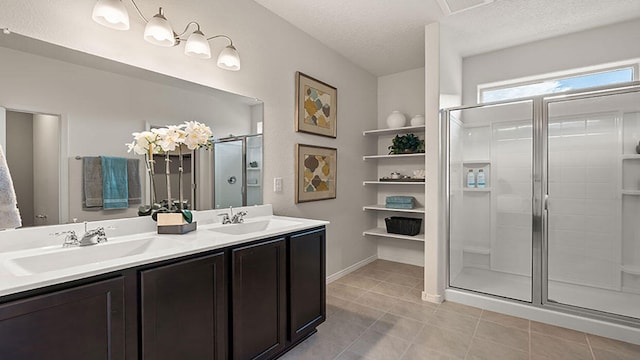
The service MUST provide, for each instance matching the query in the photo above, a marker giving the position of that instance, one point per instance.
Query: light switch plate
(277, 184)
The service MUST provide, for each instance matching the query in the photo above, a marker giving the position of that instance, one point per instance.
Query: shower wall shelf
(487, 189)
(630, 269)
(476, 162)
(418, 210)
(399, 156)
(631, 157)
(631, 192)
(383, 233)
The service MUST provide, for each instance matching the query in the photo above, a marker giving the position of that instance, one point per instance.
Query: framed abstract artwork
(316, 106)
(315, 173)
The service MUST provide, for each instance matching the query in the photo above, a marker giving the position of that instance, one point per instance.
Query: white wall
(586, 48)
(46, 167)
(19, 154)
(272, 51)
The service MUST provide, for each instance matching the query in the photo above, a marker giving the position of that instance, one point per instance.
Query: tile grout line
(473, 336)
(359, 336)
(593, 355)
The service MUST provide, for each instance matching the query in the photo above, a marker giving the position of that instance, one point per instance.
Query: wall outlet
(277, 184)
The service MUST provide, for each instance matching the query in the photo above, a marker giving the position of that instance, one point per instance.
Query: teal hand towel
(399, 199)
(115, 185)
(398, 206)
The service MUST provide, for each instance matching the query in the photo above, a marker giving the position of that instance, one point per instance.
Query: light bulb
(229, 59)
(197, 46)
(112, 14)
(159, 32)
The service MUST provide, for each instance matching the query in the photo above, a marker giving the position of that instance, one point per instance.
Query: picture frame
(316, 173)
(316, 106)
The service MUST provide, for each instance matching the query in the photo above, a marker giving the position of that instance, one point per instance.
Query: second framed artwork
(316, 106)
(316, 173)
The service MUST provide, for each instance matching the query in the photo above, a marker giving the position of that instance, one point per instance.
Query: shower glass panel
(490, 225)
(228, 159)
(593, 211)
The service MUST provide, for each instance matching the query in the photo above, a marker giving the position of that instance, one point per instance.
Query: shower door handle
(545, 204)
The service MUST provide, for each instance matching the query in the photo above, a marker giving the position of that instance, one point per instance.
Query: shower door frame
(540, 194)
(243, 189)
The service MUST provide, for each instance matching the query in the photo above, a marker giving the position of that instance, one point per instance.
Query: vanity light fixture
(158, 31)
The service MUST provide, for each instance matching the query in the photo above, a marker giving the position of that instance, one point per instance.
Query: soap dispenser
(471, 179)
(481, 180)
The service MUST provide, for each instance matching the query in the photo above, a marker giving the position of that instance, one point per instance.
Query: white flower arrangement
(191, 134)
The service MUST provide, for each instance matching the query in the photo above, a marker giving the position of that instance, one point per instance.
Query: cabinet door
(184, 310)
(84, 322)
(307, 283)
(259, 299)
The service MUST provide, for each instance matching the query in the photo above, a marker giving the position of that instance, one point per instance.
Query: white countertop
(43, 251)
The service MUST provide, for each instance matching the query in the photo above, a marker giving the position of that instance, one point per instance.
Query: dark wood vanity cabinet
(83, 322)
(258, 290)
(183, 310)
(250, 301)
(307, 279)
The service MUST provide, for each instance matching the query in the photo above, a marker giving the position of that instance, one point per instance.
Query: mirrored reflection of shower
(237, 164)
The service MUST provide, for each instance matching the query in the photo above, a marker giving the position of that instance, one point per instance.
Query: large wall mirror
(58, 106)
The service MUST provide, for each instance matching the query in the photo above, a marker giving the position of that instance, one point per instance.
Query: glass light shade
(229, 59)
(112, 14)
(159, 32)
(197, 46)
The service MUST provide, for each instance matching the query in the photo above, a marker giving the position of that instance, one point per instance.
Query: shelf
(418, 210)
(477, 161)
(405, 129)
(476, 250)
(393, 183)
(630, 157)
(630, 269)
(400, 156)
(486, 189)
(253, 185)
(254, 169)
(383, 233)
(631, 192)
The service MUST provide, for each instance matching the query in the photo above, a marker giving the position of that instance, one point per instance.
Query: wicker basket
(403, 225)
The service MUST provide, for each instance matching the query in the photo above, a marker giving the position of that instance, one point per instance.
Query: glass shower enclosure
(237, 166)
(556, 220)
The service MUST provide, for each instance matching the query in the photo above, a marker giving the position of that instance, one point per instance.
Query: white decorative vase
(396, 119)
(417, 120)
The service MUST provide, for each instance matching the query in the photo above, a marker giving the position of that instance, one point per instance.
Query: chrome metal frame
(540, 189)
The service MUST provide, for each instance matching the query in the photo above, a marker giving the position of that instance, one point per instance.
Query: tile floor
(376, 313)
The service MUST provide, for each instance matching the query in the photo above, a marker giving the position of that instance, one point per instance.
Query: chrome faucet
(237, 218)
(90, 237)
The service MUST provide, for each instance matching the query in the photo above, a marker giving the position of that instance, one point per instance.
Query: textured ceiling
(386, 37)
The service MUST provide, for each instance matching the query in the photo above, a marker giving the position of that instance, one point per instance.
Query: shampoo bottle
(481, 179)
(471, 179)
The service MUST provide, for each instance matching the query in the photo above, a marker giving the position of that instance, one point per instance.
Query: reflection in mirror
(100, 104)
(238, 171)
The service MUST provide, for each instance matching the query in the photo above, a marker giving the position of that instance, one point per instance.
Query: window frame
(634, 65)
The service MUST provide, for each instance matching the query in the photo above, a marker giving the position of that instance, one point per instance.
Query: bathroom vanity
(244, 291)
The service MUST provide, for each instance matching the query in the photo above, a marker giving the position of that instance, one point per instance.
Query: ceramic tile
(373, 273)
(553, 347)
(378, 346)
(420, 352)
(312, 349)
(397, 326)
(601, 354)
(350, 355)
(421, 312)
(335, 304)
(414, 295)
(556, 331)
(506, 320)
(488, 350)
(454, 321)
(376, 301)
(339, 331)
(358, 281)
(460, 309)
(508, 336)
(390, 289)
(404, 280)
(623, 348)
(345, 292)
(359, 314)
(448, 342)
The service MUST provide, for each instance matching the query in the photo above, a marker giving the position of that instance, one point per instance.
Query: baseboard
(333, 277)
(436, 299)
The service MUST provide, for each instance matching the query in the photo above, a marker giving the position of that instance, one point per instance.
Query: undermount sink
(253, 226)
(71, 257)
